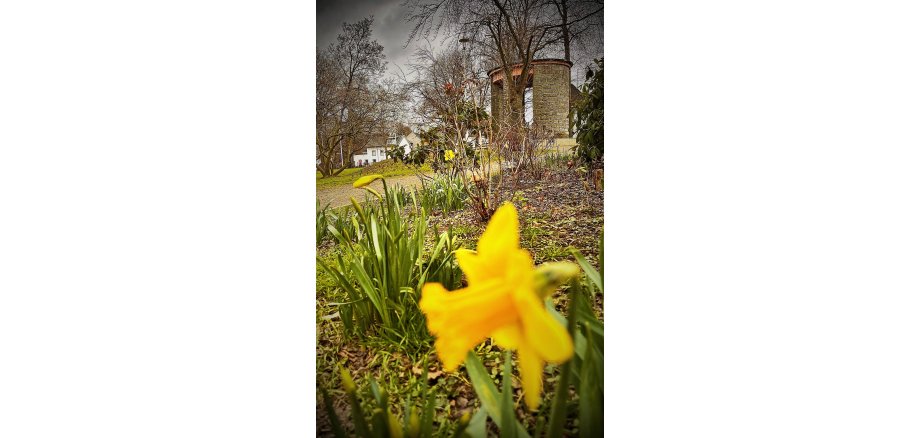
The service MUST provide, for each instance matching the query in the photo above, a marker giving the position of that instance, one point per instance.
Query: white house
(376, 149)
(408, 142)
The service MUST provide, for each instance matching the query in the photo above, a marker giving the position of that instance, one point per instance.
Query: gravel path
(338, 196)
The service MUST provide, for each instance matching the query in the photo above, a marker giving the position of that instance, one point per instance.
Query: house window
(374, 152)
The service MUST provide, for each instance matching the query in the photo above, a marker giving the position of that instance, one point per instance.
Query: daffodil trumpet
(504, 301)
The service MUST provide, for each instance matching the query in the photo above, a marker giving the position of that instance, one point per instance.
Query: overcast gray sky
(390, 28)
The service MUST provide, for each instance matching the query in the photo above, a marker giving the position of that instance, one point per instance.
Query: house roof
(384, 141)
(575, 95)
(413, 138)
(377, 141)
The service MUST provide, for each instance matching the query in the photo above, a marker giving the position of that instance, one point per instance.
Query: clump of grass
(443, 194)
(332, 220)
(384, 266)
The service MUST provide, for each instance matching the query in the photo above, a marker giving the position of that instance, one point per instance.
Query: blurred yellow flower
(448, 155)
(365, 180)
(503, 301)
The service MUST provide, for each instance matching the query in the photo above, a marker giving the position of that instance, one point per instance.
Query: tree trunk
(566, 38)
(566, 43)
(514, 97)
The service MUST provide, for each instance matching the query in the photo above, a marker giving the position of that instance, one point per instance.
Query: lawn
(387, 168)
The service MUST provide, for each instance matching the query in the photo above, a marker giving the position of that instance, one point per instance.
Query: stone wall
(551, 84)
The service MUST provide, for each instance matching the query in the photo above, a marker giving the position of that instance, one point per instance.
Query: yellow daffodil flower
(448, 155)
(365, 180)
(504, 300)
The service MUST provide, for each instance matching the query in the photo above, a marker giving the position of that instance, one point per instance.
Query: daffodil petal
(471, 266)
(501, 235)
(450, 355)
(508, 337)
(531, 367)
(462, 319)
(437, 299)
(517, 268)
(460, 336)
(433, 305)
(549, 339)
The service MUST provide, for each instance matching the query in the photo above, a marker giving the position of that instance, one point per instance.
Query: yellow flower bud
(465, 419)
(395, 429)
(365, 180)
(347, 381)
(549, 276)
(414, 424)
(357, 206)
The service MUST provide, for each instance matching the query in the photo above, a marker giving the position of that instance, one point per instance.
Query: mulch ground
(555, 208)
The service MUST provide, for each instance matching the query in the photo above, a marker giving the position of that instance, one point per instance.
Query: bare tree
(508, 33)
(579, 22)
(512, 33)
(352, 102)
